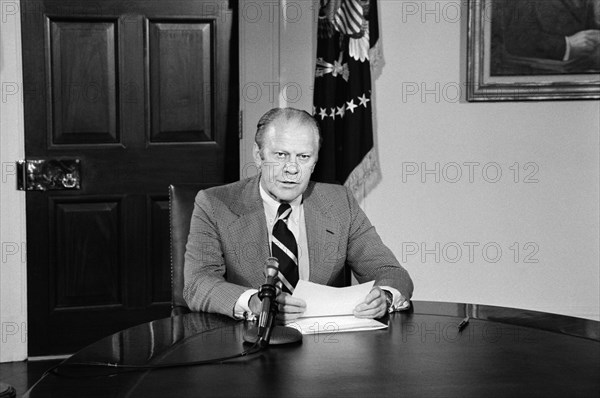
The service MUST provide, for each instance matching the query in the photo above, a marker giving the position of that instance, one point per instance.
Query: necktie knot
(284, 211)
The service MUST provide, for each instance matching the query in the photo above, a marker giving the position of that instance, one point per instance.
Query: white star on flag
(323, 113)
(351, 106)
(341, 111)
(363, 100)
(332, 113)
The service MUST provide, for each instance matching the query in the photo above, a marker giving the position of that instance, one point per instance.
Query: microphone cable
(124, 368)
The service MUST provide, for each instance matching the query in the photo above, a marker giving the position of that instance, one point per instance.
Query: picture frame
(499, 66)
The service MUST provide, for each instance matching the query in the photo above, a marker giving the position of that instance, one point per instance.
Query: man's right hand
(255, 304)
(584, 43)
(289, 307)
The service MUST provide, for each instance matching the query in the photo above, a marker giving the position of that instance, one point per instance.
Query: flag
(347, 30)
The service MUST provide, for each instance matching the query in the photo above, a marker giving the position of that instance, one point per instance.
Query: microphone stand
(267, 333)
(265, 326)
(273, 334)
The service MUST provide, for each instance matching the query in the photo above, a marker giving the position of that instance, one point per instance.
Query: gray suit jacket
(229, 243)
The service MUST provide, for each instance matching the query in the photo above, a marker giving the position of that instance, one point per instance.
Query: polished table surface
(502, 352)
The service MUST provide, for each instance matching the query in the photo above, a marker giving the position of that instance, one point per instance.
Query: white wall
(547, 231)
(557, 216)
(277, 50)
(13, 277)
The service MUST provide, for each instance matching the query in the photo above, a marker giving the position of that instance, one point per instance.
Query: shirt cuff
(242, 309)
(567, 49)
(399, 303)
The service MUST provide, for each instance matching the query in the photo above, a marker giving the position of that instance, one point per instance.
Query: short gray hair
(289, 115)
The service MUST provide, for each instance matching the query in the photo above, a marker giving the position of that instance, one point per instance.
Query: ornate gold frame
(481, 86)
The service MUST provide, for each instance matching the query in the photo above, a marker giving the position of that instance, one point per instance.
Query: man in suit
(232, 231)
(562, 30)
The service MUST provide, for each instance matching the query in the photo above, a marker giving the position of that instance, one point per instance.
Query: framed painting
(533, 50)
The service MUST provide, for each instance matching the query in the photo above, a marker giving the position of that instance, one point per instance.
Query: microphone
(267, 294)
(267, 332)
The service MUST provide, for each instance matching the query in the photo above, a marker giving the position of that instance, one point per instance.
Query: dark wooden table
(502, 352)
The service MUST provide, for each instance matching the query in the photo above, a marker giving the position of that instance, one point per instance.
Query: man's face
(289, 156)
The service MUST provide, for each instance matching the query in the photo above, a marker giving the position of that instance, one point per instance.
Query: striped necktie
(284, 248)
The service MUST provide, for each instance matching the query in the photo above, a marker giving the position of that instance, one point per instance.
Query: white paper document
(335, 324)
(329, 309)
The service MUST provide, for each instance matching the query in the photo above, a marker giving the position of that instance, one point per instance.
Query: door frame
(279, 74)
(13, 243)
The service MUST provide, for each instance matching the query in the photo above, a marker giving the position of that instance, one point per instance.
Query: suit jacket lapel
(322, 236)
(249, 231)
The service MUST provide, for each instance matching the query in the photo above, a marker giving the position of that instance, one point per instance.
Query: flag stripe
(345, 25)
(354, 12)
(349, 17)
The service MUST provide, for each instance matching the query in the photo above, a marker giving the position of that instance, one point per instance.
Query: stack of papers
(329, 309)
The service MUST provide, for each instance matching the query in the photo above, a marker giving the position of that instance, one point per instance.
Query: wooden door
(144, 94)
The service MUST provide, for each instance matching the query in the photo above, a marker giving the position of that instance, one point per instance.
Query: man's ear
(256, 154)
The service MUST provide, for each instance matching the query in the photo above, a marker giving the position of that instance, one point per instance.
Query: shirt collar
(271, 205)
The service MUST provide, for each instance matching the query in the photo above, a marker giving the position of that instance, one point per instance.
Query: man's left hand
(374, 305)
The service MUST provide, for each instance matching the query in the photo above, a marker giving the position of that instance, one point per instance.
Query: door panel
(83, 72)
(181, 108)
(129, 89)
(86, 252)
